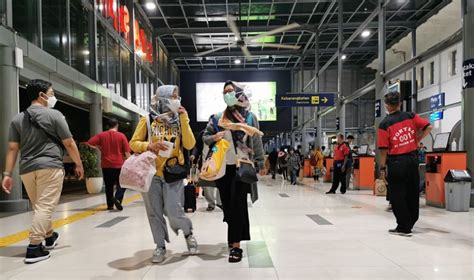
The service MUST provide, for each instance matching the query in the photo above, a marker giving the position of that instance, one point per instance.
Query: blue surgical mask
(230, 99)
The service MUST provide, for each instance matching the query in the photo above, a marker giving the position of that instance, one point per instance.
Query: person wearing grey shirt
(42, 135)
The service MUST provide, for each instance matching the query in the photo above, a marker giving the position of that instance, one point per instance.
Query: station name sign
(121, 22)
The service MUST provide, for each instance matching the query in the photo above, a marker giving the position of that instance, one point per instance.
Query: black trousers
(403, 179)
(273, 169)
(338, 177)
(234, 203)
(111, 178)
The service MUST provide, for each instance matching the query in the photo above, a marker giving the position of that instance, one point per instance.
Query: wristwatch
(6, 174)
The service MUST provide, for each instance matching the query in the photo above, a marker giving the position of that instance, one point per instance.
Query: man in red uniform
(398, 137)
(114, 147)
(341, 156)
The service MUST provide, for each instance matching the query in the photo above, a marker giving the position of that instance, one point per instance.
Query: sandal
(235, 255)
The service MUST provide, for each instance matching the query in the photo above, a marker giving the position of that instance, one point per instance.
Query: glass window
(102, 55)
(113, 58)
(80, 54)
(126, 84)
(138, 88)
(422, 77)
(432, 73)
(25, 19)
(54, 23)
(453, 62)
(125, 21)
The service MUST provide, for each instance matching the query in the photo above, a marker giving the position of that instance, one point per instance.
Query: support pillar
(468, 93)
(95, 116)
(317, 118)
(414, 89)
(9, 107)
(379, 80)
(340, 107)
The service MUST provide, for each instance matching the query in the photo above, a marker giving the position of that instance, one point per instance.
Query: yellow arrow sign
(325, 100)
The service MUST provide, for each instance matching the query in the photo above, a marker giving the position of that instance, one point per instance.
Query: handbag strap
(38, 126)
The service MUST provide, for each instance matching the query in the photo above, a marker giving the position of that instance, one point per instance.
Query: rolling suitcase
(189, 198)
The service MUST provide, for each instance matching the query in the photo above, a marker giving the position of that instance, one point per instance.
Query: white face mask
(174, 105)
(51, 101)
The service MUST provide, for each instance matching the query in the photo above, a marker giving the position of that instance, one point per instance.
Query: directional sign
(468, 69)
(436, 116)
(305, 100)
(437, 101)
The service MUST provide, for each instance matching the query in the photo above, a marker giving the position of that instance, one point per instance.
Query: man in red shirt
(398, 137)
(114, 147)
(341, 155)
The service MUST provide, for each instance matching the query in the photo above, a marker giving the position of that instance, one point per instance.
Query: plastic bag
(138, 171)
(213, 167)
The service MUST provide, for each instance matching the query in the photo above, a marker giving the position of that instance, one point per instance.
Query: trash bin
(458, 190)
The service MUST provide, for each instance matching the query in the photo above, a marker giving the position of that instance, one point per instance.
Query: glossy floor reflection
(298, 232)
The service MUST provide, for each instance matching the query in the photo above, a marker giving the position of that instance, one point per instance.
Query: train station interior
(309, 72)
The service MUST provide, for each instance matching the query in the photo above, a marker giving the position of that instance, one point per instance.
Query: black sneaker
(36, 253)
(399, 232)
(210, 208)
(118, 205)
(330, 192)
(52, 241)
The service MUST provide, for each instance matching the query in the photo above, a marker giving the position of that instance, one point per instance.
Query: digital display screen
(209, 99)
(363, 149)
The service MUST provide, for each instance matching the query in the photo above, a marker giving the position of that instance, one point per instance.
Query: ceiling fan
(252, 41)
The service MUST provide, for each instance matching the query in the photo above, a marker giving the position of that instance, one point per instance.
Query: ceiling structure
(187, 27)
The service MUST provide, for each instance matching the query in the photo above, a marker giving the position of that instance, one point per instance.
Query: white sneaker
(159, 255)
(192, 244)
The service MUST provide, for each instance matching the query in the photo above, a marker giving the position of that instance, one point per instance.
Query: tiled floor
(286, 242)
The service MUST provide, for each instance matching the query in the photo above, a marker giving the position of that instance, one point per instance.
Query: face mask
(51, 101)
(174, 105)
(230, 99)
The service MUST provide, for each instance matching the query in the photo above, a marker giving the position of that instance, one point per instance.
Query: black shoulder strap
(37, 125)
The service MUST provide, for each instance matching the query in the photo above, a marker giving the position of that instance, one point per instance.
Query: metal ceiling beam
(214, 30)
(347, 42)
(275, 52)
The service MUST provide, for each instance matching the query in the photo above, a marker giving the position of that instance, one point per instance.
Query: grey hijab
(159, 107)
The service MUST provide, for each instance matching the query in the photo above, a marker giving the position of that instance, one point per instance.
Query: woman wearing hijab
(169, 121)
(239, 126)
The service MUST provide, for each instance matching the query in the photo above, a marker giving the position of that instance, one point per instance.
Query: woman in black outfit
(243, 145)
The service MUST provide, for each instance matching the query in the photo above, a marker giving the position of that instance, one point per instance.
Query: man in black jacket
(273, 159)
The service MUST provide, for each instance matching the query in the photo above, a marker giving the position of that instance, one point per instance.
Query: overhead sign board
(305, 100)
(468, 69)
(437, 101)
(436, 116)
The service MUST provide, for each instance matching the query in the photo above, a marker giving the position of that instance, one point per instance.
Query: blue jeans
(294, 175)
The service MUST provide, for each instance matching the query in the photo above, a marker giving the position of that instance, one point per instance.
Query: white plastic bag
(138, 171)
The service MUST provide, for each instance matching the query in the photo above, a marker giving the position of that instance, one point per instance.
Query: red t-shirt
(341, 151)
(113, 146)
(398, 132)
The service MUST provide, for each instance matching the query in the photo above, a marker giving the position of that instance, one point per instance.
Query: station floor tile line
(112, 222)
(22, 235)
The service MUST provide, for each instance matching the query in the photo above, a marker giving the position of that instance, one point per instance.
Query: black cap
(392, 98)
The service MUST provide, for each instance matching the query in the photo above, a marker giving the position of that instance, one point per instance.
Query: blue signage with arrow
(437, 101)
(305, 100)
(436, 116)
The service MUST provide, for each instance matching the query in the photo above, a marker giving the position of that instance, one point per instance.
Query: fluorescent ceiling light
(343, 57)
(237, 61)
(365, 33)
(85, 52)
(150, 5)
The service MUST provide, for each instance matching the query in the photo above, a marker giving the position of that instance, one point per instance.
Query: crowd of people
(43, 136)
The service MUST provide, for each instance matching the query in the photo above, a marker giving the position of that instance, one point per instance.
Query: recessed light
(237, 61)
(150, 6)
(365, 33)
(86, 52)
(343, 57)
